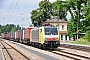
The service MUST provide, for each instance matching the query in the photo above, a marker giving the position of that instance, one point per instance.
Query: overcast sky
(13, 11)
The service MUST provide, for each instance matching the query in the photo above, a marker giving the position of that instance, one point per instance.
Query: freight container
(3, 36)
(6, 36)
(18, 35)
(22, 35)
(9, 36)
(13, 34)
(27, 34)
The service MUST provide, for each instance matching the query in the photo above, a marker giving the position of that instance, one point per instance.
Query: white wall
(64, 38)
(65, 26)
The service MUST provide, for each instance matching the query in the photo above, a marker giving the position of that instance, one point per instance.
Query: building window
(61, 37)
(62, 27)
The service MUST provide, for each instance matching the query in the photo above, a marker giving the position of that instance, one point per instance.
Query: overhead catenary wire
(13, 9)
(4, 18)
(9, 9)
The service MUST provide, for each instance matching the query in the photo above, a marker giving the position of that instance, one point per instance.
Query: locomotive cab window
(51, 31)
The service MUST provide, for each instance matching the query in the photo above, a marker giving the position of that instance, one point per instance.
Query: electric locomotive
(45, 37)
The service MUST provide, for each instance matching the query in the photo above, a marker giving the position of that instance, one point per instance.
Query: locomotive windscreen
(51, 31)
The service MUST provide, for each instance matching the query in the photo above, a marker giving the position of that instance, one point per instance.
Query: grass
(81, 41)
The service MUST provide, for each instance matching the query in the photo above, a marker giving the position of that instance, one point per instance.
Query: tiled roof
(63, 32)
(54, 20)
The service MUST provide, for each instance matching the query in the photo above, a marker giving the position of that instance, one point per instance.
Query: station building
(53, 21)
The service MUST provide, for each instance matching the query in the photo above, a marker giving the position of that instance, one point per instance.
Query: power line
(14, 8)
(9, 10)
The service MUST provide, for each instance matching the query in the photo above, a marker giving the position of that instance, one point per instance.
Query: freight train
(42, 37)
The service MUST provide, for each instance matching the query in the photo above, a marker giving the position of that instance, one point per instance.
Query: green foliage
(9, 28)
(79, 9)
(46, 10)
(86, 21)
(30, 25)
(80, 42)
(0, 31)
(88, 33)
(87, 14)
(76, 9)
(60, 8)
(87, 36)
(42, 13)
(71, 27)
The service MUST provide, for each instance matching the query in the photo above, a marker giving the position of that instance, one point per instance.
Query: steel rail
(74, 54)
(64, 55)
(15, 50)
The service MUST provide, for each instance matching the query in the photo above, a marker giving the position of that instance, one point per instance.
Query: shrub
(87, 36)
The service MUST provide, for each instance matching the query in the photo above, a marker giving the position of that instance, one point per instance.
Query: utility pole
(22, 20)
(29, 24)
(77, 24)
(58, 16)
(4, 20)
(78, 20)
(22, 23)
(58, 25)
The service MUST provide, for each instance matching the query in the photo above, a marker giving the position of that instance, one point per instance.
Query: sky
(18, 11)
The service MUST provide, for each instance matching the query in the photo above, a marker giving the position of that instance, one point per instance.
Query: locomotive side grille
(35, 35)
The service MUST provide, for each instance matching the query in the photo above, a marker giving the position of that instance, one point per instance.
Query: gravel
(42, 53)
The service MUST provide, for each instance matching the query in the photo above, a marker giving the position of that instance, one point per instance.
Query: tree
(60, 9)
(87, 15)
(36, 17)
(75, 7)
(0, 29)
(71, 27)
(13, 29)
(87, 20)
(9, 28)
(18, 27)
(42, 13)
(45, 8)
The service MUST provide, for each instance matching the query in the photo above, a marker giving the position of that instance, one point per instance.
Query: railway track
(70, 55)
(85, 57)
(64, 55)
(12, 53)
(77, 47)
